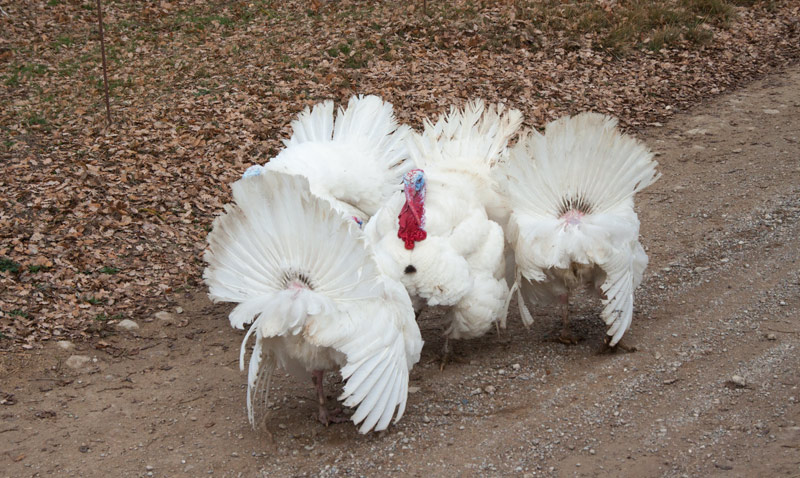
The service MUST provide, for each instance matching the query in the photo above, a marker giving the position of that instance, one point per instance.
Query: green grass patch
(355, 55)
(17, 73)
(7, 265)
(108, 270)
(628, 25)
(62, 41)
(92, 300)
(35, 269)
(19, 313)
(35, 119)
(716, 11)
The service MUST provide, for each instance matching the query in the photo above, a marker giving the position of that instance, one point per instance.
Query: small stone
(426, 419)
(282, 426)
(235, 455)
(78, 361)
(165, 316)
(737, 381)
(701, 269)
(477, 391)
(771, 112)
(127, 324)
(490, 389)
(65, 345)
(83, 449)
(413, 389)
(591, 451)
(149, 468)
(737, 150)
(178, 310)
(771, 336)
(516, 366)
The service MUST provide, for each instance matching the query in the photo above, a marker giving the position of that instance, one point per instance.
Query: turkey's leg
(445, 354)
(325, 416)
(566, 336)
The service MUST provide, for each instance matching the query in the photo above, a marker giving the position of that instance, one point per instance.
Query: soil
(711, 391)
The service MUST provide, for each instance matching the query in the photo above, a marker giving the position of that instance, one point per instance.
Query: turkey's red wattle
(410, 224)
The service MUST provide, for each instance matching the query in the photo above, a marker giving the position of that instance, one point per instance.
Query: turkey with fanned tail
(356, 160)
(572, 220)
(305, 278)
(436, 236)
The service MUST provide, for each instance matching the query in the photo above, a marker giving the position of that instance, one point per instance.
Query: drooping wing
(381, 341)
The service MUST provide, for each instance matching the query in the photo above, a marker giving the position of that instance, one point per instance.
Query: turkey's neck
(412, 217)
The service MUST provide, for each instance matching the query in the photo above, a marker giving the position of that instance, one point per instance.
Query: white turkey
(305, 278)
(572, 220)
(435, 235)
(356, 161)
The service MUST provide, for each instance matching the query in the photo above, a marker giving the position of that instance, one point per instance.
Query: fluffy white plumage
(307, 280)
(355, 161)
(572, 221)
(460, 262)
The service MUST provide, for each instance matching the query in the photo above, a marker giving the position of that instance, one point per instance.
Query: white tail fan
(583, 158)
(473, 137)
(571, 194)
(304, 276)
(356, 161)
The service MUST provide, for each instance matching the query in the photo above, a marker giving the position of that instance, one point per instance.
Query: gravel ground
(712, 390)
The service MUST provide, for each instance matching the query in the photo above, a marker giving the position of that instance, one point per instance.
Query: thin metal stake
(103, 52)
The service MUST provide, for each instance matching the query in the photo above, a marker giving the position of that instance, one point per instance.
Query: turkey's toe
(619, 346)
(566, 337)
(326, 417)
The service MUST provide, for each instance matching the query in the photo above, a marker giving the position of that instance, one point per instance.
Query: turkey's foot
(566, 337)
(326, 417)
(619, 346)
(448, 356)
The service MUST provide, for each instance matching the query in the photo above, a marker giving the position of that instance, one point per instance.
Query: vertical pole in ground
(103, 53)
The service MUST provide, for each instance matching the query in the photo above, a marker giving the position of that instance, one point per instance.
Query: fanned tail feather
(582, 161)
(472, 137)
(358, 159)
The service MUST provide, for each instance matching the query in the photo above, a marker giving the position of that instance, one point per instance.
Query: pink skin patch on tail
(572, 217)
(296, 286)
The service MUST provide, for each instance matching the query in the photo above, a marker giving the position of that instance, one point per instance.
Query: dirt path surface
(712, 391)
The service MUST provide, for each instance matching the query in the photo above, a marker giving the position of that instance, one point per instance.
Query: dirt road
(712, 391)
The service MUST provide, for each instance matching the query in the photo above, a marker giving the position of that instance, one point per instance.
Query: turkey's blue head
(412, 217)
